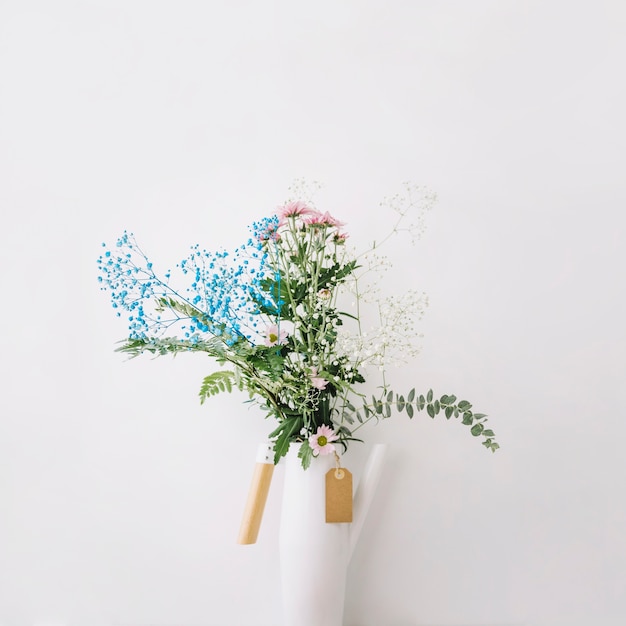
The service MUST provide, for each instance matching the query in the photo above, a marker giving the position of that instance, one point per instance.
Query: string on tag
(339, 473)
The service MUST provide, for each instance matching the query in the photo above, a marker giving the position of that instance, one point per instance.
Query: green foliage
(213, 346)
(184, 308)
(305, 454)
(270, 361)
(216, 383)
(283, 434)
(382, 407)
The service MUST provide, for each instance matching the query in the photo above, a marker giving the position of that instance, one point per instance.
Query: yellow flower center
(322, 441)
(273, 338)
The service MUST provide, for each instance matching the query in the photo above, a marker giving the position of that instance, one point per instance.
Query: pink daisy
(294, 209)
(275, 336)
(320, 442)
(270, 234)
(317, 381)
(325, 219)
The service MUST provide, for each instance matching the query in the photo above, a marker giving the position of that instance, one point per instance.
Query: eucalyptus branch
(382, 408)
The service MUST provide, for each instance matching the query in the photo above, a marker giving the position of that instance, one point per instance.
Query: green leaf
(436, 407)
(172, 345)
(468, 419)
(390, 397)
(464, 405)
(488, 433)
(347, 315)
(305, 454)
(378, 405)
(287, 429)
(429, 396)
(449, 412)
(410, 397)
(421, 403)
(409, 410)
(476, 429)
(400, 404)
(215, 383)
(342, 430)
(430, 410)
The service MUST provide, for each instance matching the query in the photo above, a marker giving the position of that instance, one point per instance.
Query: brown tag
(338, 495)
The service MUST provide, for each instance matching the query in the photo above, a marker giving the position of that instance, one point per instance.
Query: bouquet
(275, 314)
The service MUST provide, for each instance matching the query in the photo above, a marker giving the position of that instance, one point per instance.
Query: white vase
(314, 555)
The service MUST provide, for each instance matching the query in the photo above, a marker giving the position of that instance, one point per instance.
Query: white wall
(183, 121)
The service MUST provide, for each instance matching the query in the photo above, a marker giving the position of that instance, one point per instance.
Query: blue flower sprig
(225, 293)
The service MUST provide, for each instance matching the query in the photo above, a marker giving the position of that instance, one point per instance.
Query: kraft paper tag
(338, 495)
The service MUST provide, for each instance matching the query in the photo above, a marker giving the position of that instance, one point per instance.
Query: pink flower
(325, 219)
(320, 442)
(317, 381)
(270, 233)
(294, 209)
(275, 336)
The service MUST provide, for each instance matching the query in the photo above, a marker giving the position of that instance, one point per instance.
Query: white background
(184, 121)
